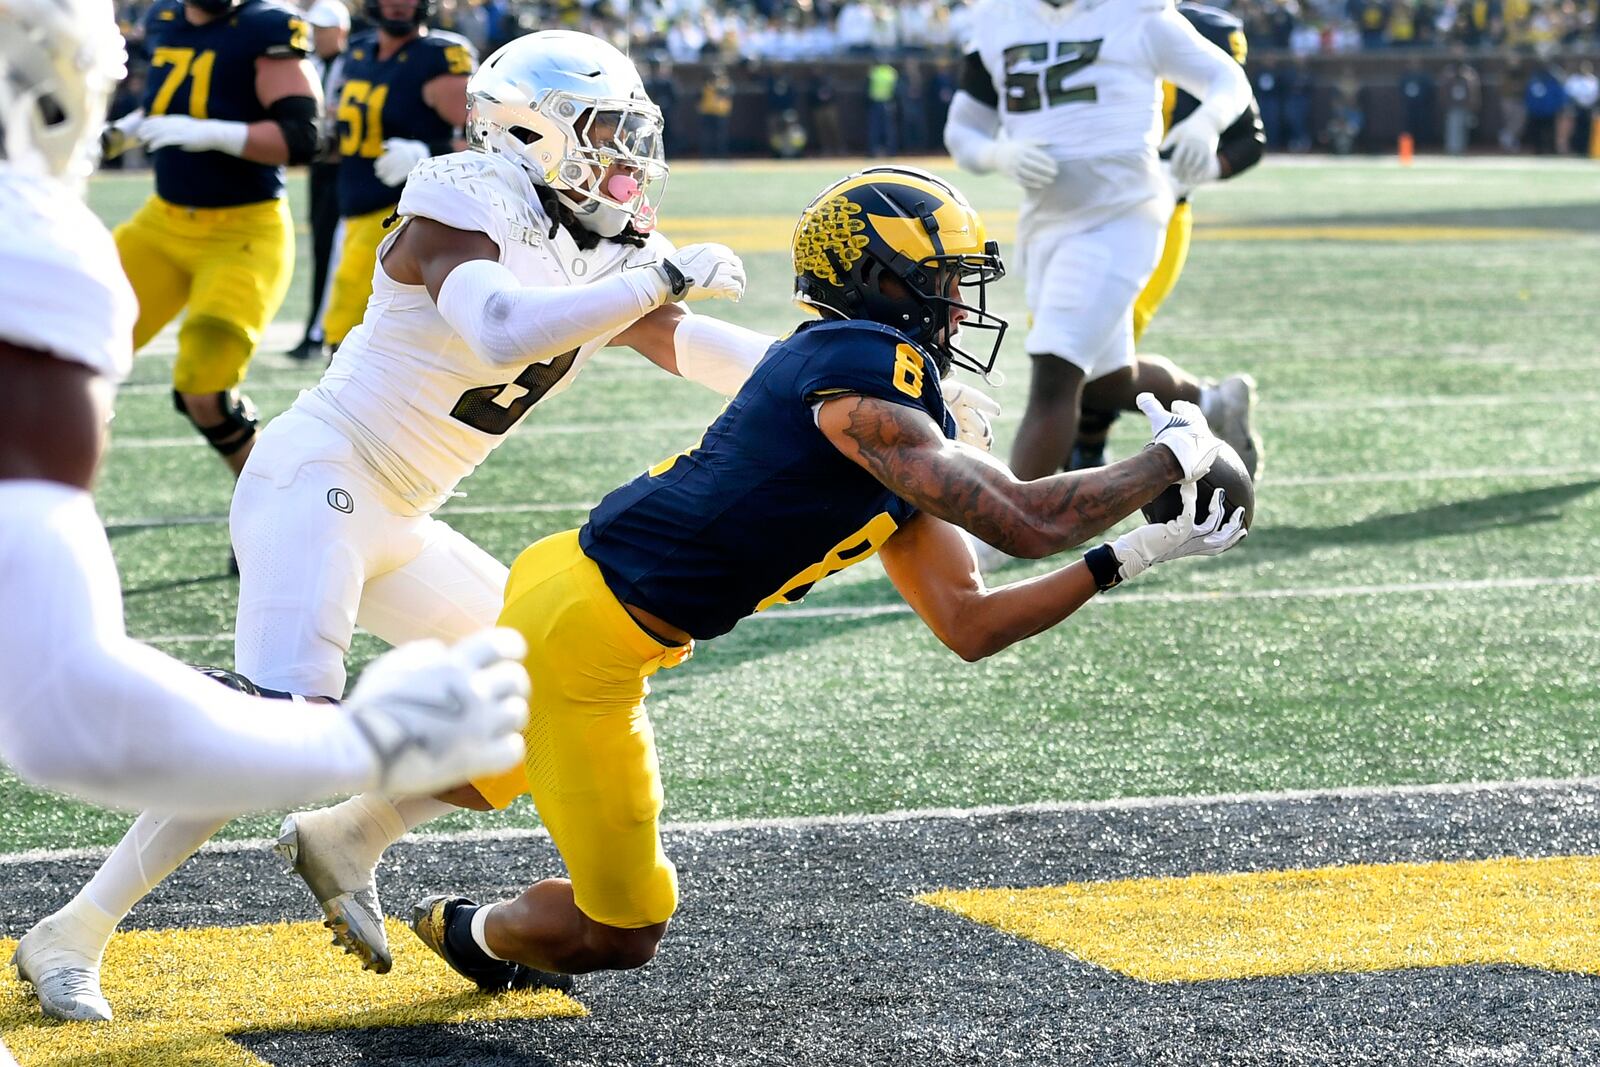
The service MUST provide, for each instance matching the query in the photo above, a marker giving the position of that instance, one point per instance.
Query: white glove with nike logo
(1160, 542)
(436, 717)
(1184, 432)
(699, 272)
(400, 154)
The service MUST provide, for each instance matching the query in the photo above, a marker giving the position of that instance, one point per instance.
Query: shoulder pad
(280, 32)
(474, 191)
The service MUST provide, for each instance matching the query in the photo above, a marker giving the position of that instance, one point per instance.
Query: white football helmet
(572, 110)
(60, 60)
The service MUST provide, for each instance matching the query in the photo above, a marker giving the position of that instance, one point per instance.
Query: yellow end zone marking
(773, 233)
(179, 994)
(1377, 917)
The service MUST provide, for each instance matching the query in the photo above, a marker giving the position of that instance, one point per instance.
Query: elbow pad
(717, 354)
(296, 116)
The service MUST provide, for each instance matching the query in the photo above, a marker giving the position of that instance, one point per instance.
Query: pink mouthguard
(622, 188)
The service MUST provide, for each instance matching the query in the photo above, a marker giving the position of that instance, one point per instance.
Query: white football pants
(1080, 286)
(323, 545)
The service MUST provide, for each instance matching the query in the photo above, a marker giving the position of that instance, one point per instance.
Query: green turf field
(1416, 603)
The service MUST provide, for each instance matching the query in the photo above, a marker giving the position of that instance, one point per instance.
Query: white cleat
(1228, 407)
(309, 842)
(65, 979)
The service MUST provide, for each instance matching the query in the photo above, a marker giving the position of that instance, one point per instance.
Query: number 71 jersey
(408, 392)
(1081, 77)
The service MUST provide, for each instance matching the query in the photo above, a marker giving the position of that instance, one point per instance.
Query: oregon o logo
(341, 501)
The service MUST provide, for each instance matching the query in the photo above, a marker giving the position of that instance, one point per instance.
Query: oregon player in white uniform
(518, 281)
(1066, 100)
(84, 708)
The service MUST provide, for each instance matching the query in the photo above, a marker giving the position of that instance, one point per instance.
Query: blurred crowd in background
(838, 76)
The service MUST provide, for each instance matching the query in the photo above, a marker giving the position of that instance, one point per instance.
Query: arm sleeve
(1182, 56)
(717, 354)
(87, 710)
(970, 131)
(507, 323)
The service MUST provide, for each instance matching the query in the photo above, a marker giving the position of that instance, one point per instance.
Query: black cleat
(308, 351)
(431, 920)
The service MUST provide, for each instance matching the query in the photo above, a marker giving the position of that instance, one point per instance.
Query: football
(1228, 474)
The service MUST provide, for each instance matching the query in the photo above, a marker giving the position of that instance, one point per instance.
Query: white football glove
(1160, 542)
(436, 717)
(399, 156)
(1185, 433)
(1193, 143)
(193, 135)
(1024, 162)
(696, 272)
(972, 411)
(121, 135)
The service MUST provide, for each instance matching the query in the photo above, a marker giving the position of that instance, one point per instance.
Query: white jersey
(413, 397)
(62, 289)
(1084, 79)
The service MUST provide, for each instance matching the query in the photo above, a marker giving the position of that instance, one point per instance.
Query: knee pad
(237, 428)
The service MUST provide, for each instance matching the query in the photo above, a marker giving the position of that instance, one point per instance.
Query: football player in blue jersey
(230, 101)
(838, 446)
(402, 99)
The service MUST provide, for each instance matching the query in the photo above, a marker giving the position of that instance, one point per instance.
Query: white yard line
(1470, 474)
(1218, 596)
(803, 822)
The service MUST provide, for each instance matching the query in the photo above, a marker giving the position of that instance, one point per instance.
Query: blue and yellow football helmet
(915, 228)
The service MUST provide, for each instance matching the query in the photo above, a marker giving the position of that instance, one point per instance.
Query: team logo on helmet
(898, 245)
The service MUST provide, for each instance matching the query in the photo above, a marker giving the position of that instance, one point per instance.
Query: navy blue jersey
(764, 506)
(209, 72)
(383, 98)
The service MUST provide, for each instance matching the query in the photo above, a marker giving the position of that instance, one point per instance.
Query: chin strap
(562, 215)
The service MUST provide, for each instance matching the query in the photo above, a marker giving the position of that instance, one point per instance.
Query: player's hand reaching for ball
(1183, 430)
(698, 272)
(1160, 542)
(436, 717)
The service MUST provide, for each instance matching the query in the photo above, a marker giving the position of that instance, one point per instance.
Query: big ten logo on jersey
(1038, 74)
(908, 370)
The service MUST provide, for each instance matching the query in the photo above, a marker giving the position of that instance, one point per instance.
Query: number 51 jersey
(412, 396)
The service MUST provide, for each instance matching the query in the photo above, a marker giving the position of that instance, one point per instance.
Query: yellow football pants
(228, 267)
(591, 760)
(352, 279)
(1174, 253)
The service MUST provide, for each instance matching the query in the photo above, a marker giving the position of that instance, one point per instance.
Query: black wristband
(1103, 567)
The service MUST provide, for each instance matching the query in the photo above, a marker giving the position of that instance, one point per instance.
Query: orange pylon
(1407, 149)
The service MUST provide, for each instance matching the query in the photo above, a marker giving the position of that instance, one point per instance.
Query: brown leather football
(1228, 474)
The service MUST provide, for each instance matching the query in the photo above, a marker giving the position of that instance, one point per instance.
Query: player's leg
(1097, 416)
(352, 277)
(241, 277)
(449, 590)
(301, 561)
(146, 247)
(592, 770)
(1081, 288)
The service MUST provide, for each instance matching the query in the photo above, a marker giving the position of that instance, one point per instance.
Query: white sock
(479, 919)
(153, 847)
(365, 826)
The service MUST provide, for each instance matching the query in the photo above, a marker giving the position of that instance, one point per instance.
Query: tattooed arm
(905, 450)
